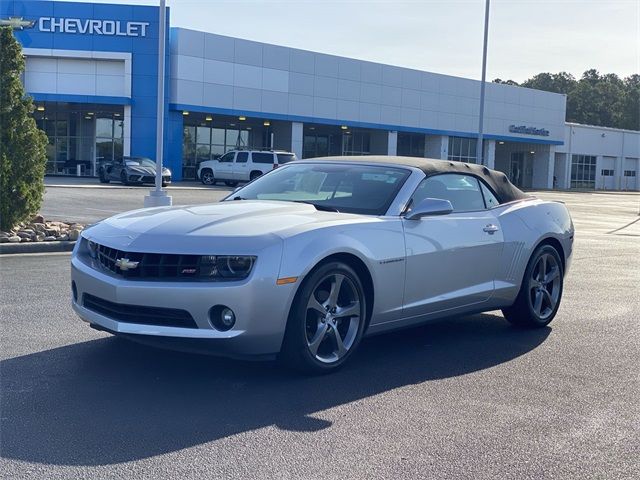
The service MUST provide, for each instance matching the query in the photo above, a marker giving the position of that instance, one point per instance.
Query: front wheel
(102, 176)
(207, 177)
(123, 178)
(326, 321)
(541, 290)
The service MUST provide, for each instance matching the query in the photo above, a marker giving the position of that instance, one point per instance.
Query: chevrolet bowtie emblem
(125, 264)
(16, 23)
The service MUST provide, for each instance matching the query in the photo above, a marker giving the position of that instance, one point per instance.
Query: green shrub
(22, 145)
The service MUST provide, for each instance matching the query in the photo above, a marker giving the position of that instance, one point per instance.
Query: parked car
(132, 170)
(242, 166)
(305, 261)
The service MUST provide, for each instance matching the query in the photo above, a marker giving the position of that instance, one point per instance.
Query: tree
(595, 99)
(22, 144)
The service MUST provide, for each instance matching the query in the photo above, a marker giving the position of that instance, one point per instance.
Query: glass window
(462, 149)
(583, 171)
(228, 157)
(104, 127)
(285, 158)
(360, 189)
(462, 191)
(203, 135)
(262, 157)
(217, 136)
(490, 199)
(242, 157)
(203, 152)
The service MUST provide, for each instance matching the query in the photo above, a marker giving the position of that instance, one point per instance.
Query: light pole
(158, 197)
(480, 146)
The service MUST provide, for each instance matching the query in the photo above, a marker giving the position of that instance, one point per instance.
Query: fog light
(222, 318)
(228, 318)
(74, 291)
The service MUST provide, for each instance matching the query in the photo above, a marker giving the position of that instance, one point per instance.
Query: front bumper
(261, 308)
(139, 178)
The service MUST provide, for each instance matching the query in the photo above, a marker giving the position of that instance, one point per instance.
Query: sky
(525, 36)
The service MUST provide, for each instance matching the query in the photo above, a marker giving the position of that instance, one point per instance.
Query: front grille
(151, 266)
(148, 179)
(163, 317)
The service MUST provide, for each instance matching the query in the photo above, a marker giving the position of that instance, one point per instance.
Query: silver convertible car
(305, 261)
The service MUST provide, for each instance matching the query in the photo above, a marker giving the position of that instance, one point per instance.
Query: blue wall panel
(144, 56)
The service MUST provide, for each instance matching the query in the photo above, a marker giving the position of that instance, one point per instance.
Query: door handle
(491, 229)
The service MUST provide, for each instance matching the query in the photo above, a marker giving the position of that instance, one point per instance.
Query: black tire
(164, 184)
(123, 178)
(230, 183)
(102, 176)
(528, 311)
(296, 350)
(255, 174)
(207, 177)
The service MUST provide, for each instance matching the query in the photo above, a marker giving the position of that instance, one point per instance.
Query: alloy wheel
(333, 316)
(544, 286)
(207, 178)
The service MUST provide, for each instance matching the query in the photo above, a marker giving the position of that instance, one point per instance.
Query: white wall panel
(300, 83)
(247, 76)
(216, 71)
(275, 80)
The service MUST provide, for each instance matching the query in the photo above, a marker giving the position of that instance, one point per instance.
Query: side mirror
(430, 207)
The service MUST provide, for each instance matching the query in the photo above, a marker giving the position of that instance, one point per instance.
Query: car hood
(248, 224)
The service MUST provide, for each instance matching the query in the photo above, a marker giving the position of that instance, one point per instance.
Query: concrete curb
(36, 247)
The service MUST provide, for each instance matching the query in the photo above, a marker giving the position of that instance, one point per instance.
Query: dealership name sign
(528, 130)
(80, 26)
(93, 27)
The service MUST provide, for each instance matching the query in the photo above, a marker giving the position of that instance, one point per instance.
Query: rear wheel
(255, 174)
(326, 321)
(541, 290)
(207, 177)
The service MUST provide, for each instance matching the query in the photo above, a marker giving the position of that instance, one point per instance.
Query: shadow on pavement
(109, 401)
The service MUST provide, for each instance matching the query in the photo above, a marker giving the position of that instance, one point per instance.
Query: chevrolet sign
(93, 27)
(529, 130)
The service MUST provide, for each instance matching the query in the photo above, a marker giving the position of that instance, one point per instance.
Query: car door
(451, 260)
(224, 169)
(240, 168)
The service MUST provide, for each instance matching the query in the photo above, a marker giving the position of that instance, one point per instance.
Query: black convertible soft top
(497, 181)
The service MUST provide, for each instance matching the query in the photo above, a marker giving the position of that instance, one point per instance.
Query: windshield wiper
(323, 208)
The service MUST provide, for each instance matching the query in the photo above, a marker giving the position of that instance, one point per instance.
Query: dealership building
(92, 71)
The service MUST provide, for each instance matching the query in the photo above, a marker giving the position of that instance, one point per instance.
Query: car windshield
(139, 162)
(348, 188)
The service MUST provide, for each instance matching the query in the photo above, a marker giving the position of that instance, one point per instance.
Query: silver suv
(242, 166)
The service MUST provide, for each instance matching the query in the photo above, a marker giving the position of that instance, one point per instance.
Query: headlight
(226, 266)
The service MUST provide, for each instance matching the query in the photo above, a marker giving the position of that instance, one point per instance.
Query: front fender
(379, 245)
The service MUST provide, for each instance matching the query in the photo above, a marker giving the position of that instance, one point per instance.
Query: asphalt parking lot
(469, 397)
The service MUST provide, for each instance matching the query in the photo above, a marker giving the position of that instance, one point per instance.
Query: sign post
(158, 197)
(480, 146)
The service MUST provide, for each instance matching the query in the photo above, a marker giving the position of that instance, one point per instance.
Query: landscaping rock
(38, 219)
(4, 239)
(15, 239)
(50, 238)
(74, 234)
(63, 238)
(24, 234)
(39, 238)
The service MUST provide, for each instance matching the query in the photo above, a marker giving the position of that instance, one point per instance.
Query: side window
(262, 157)
(490, 199)
(463, 191)
(242, 157)
(227, 158)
